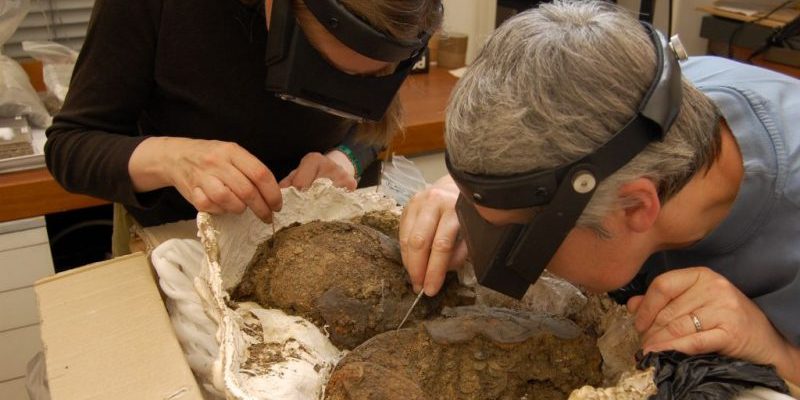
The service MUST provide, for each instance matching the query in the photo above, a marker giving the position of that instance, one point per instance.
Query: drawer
(17, 347)
(18, 309)
(13, 390)
(21, 266)
(22, 233)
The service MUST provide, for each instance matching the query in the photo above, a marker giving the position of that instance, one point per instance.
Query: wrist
(345, 157)
(787, 362)
(793, 373)
(146, 165)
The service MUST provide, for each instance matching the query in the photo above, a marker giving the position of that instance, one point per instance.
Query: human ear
(640, 204)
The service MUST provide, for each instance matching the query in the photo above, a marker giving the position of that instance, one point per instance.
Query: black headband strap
(656, 113)
(362, 37)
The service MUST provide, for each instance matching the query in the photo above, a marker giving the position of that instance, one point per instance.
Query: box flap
(107, 335)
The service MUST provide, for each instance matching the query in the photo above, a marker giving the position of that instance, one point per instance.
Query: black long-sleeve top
(176, 68)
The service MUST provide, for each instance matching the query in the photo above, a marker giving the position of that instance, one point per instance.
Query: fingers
(287, 180)
(219, 194)
(710, 341)
(664, 288)
(429, 241)
(202, 203)
(316, 165)
(417, 244)
(634, 303)
(411, 259)
(407, 221)
(247, 192)
(441, 251)
(676, 310)
(261, 177)
(681, 326)
(459, 256)
(307, 171)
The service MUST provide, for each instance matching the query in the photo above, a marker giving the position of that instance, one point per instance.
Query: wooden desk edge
(33, 193)
(771, 23)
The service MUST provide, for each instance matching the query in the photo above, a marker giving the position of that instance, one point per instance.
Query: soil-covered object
(386, 222)
(491, 355)
(347, 278)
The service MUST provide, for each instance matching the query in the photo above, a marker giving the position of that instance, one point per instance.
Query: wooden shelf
(776, 20)
(741, 53)
(32, 193)
(424, 97)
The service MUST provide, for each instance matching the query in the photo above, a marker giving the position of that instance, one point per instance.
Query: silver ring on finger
(698, 326)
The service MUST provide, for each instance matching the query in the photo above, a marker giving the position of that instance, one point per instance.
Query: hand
(334, 165)
(216, 177)
(429, 240)
(731, 324)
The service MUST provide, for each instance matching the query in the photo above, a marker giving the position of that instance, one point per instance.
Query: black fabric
(655, 265)
(707, 376)
(175, 68)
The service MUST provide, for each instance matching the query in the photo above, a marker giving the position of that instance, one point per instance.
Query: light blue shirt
(757, 246)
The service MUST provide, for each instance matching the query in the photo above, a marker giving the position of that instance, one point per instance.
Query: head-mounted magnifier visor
(509, 258)
(297, 72)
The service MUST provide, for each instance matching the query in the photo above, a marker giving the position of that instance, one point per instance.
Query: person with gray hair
(700, 228)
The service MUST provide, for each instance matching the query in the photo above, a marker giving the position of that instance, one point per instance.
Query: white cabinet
(24, 258)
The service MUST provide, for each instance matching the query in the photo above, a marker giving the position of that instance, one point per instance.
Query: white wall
(685, 20)
(475, 18)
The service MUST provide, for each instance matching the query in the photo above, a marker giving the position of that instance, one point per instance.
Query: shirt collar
(750, 120)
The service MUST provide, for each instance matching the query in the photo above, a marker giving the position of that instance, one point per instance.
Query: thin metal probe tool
(408, 313)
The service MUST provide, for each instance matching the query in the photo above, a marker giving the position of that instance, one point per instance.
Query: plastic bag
(36, 383)
(17, 96)
(707, 376)
(58, 61)
(12, 12)
(401, 179)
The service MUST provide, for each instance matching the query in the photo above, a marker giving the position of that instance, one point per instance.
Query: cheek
(588, 261)
(571, 266)
(571, 263)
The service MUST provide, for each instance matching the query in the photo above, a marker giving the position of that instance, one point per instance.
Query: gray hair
(553, 84)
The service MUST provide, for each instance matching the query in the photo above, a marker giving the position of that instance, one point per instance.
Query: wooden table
(775, 20)
(424, 97)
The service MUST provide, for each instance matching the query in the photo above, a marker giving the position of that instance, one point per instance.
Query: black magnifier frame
(360, 36)
(520, 256)
(297, 72)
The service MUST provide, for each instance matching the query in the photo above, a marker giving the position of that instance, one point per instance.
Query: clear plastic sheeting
(401, 179)
(12, 12)
(17, 96)
(58, 61)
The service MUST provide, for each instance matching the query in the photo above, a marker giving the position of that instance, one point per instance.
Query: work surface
(424, 98)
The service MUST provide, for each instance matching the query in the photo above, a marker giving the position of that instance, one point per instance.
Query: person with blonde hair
(574, 145)
(179, 106)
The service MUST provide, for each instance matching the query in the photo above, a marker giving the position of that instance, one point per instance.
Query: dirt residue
(347, 278)
(386, 222)
(418, 364)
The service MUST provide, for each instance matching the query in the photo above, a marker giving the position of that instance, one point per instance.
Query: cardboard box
(107, 335)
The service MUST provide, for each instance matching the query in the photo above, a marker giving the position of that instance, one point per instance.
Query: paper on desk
(458, 72)
(33, 161)
(758, 8)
